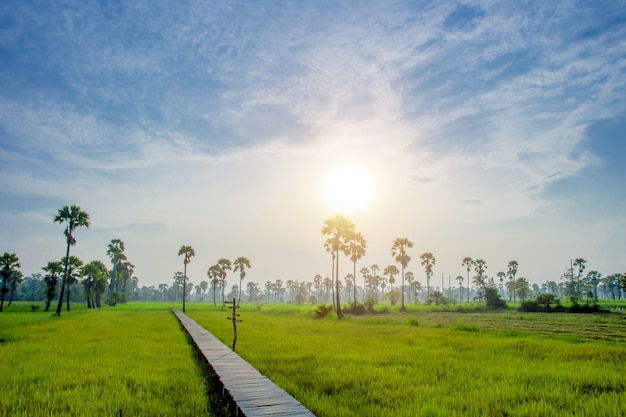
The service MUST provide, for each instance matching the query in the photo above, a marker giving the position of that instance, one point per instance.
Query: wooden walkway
(253, 394)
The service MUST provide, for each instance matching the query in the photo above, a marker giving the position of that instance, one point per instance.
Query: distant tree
(391, 271)
(580, 263)
(546, 300)
(460, 279)
(398, 252)
(240, 265)
(593, 279)
(14, 280)
(511, 287)
(428, 261)
(522, 288)
(409, 277)
(51, 279)
(253, 291)
(357, 246)
(115, 251)
(73, 217)
(187, 252)
(622, 281)
(223, 265)
(479, 280)
(501, 275)
(214, 276)
(338, 229)
(9, 263)
(492, 297)
(511, 273)
(365, 271)
(95, 282)
(468, 263)
(178, 282)
(73, 271)
(204, 287)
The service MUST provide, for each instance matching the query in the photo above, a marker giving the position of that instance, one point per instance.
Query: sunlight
(349, 189)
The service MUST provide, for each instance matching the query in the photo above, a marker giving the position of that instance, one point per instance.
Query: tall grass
(110, 362)
(353, 367)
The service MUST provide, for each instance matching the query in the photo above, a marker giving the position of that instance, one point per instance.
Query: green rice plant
(106, 362)
(382, 365)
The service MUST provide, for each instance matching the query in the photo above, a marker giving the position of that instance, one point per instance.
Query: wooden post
(234, 320)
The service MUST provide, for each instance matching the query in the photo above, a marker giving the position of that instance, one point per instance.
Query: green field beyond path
(436, 363)
(135, 358)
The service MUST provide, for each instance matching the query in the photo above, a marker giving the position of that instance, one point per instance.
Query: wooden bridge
(253, 394)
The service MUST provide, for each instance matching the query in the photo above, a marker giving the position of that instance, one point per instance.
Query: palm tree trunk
(339, 313)
(354, 283)
(184, 287)
(402, 290)
(67, 258)
(68, 296)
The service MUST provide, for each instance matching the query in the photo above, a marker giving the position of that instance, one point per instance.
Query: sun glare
(349, 189)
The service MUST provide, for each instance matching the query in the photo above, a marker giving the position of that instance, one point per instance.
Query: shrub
(413, 322)
(493, 299)
(34, 307)
(357, 309)
(322, 311)
(530, 306)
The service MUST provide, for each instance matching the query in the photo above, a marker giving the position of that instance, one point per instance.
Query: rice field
(437, 363)
(134, 360)
(109, 362)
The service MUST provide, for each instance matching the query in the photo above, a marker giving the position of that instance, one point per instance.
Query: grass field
(130, 361)
(429, 363)
(426, 362)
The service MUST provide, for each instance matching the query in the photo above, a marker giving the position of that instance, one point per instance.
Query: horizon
(494, 131)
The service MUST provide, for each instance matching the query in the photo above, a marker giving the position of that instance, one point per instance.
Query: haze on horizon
(486, 129)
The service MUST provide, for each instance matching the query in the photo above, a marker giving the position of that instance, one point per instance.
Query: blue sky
(489, 129)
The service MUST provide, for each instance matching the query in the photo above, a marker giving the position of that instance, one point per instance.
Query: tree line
(342, 238)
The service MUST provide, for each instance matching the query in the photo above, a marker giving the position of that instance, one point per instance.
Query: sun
(349, 189)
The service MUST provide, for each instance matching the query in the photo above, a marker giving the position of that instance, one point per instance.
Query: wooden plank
(253, 393)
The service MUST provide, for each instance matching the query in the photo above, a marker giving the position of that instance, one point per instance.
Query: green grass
(133, 361)
(451, 364)
(426, 362)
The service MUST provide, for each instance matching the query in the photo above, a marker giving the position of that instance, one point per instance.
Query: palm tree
(187, 252)
(214, 275)
(468, 263)
(365, 271)
(593, 277)
(10, 264)
(511, 272)
(73, 217)
(338, 228)
(74, 271)
(522, 288)
(115, 251)
(95, 281)
(223, 265)
(428, 261)
(398, 252)
(51, 279)
(241, 264)
(356, 249)
(580, 263)
(390, 271)
(480, 266)
(409, 278)
(14, 280)
(501, 276)
(460, 279)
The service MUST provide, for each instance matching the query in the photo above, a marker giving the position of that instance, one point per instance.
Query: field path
(254, 394)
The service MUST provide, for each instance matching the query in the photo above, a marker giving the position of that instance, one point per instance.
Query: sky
(488, 129)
